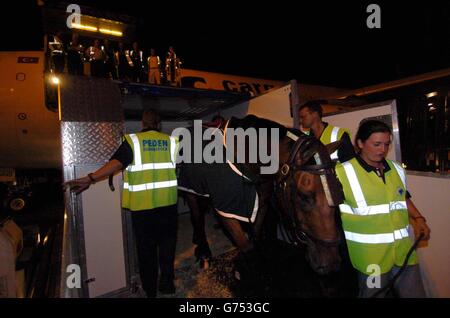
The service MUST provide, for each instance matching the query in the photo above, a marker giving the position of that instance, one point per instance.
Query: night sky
(324, 42)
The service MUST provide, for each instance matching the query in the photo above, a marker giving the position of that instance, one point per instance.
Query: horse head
(308, 192)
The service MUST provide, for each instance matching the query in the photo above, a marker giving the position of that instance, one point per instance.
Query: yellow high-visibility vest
(331, 134)
(375, 217)
(150, 181)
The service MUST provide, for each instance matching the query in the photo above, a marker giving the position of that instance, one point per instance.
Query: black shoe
(166, 287)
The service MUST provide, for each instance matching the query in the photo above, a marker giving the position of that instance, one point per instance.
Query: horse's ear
(333, 146)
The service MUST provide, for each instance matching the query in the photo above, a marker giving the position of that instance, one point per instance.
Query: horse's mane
(252, 121)
(259, 122)
(256, 122)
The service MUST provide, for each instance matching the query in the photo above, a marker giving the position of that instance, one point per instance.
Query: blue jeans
(408, 285)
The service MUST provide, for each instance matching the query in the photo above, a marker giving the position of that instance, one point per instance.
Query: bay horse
(304, 190)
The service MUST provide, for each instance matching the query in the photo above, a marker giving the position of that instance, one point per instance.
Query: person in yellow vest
(173, 68)
(310, 115)
(154, 68)
(376, 215)
(150, 193)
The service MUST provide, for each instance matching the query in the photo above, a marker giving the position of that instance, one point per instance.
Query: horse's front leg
(250, 265)
(239, 236)
(197, 207)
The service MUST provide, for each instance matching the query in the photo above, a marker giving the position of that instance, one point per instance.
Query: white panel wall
(274, 105)
(351, 120)
(102, 217)
(431, 195)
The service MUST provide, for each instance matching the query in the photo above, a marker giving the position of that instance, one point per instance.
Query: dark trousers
(58, 61)
(74, 63)
(124, 71)
(156, 234)
(408, 285)
(136, 73)
(97, 68)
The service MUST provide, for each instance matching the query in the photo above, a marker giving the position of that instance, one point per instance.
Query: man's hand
(81, 184)
(78, 185)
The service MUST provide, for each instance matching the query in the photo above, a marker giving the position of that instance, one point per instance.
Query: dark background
(323, 42)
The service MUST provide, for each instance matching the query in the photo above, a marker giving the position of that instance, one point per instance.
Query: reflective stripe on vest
(137, 149)
(354, 184)
(334, 134)
(373, 209)
(334, 137)
(138, 166)
(330, 136)
(150, 186)
(400, 172)
(377, 238)
(151, 166)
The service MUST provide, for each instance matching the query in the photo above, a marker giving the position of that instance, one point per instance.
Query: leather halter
(301, 145)
(298, 235)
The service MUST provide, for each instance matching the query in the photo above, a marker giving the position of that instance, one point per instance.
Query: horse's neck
(285, 136)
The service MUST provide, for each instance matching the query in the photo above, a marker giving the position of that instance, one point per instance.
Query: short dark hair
(151, 119)
(314, 106)
(368, 127)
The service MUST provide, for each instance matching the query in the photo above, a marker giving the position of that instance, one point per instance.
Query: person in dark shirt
(122, 61)
(110, 65)
(75, 57)
(310, 115)
(137, 63)
(57, 52)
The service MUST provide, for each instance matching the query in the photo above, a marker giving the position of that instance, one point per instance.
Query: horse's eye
(306, 201)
